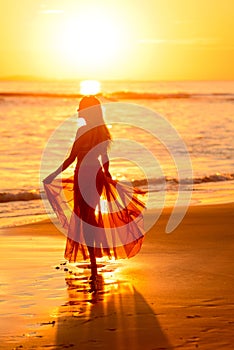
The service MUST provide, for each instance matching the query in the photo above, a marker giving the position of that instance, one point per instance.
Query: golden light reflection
(103, 206)
(90, 87)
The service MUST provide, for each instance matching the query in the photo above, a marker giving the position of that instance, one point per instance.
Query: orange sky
(124, 39)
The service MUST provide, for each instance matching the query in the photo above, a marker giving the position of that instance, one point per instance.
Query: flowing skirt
(97, 212)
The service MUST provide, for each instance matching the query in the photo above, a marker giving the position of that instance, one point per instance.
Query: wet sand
(177, 293)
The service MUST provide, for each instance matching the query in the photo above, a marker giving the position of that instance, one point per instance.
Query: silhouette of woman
(106, 217)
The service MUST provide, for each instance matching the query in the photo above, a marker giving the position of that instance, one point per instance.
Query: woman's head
(87, 102)
(90, 109)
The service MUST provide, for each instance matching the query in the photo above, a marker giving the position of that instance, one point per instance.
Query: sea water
(201, 113)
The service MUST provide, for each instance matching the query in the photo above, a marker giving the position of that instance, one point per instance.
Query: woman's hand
(49, 178)
(108, 174)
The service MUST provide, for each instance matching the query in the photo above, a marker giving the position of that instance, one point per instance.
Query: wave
(214, 178)
(39, 94)
(19, 196)
(13, 196)
(126, 95)
(133, 95)
(197, 180)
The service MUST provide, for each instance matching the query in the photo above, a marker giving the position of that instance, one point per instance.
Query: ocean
(158, 128)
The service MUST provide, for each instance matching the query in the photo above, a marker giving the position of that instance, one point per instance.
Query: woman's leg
(93, 200)
(93, 261)
(90, 227)
(87, 206)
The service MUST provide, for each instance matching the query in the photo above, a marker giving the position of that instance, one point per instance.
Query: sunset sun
(92, 39)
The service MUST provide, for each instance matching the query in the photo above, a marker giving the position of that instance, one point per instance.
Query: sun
(82, 40)
(92, 39)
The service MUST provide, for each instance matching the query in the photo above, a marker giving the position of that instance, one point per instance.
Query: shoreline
(220, 193)
(176, 293)
(165, 211)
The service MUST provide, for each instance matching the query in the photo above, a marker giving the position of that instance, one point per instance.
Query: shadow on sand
(114, 317)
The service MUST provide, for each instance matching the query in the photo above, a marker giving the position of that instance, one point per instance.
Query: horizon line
(28, 78)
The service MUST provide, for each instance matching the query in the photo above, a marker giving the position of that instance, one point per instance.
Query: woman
(106, 218)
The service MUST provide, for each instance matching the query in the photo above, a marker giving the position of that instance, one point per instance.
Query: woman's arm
(70, 159)
(105, 164)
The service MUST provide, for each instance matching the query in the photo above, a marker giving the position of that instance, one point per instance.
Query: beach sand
(177, 293)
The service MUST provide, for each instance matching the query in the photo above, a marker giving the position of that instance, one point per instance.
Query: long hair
(90, 109)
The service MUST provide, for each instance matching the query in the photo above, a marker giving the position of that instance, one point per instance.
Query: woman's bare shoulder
(81, 131)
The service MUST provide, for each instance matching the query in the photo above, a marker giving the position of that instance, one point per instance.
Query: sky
(124, 39)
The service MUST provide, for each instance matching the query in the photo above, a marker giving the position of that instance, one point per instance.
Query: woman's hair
(88, 101)
(90, 109)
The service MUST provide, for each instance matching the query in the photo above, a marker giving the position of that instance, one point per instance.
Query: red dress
(95, 210)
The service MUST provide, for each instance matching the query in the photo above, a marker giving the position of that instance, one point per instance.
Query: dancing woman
(106, 216)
